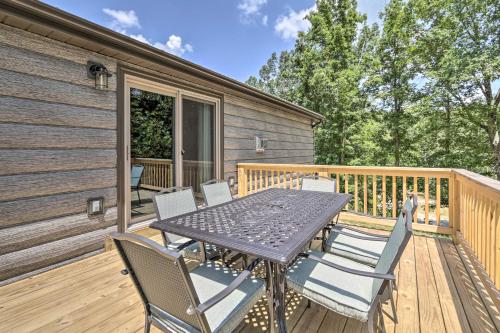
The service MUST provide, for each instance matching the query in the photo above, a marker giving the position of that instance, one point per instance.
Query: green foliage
(151, 118)
(419, 91)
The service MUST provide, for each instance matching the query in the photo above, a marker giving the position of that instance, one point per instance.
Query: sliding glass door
(198, 136)
(152, 144)
(170, 139)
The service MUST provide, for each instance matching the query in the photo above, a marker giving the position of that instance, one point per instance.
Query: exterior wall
(290, 137)
(58, 147)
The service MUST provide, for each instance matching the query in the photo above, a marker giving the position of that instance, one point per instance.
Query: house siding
(58, 147)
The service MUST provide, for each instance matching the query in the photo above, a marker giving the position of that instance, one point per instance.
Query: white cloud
(173, 45)
(289, 26)
(264, 20)
(251, 7)
(122, 19)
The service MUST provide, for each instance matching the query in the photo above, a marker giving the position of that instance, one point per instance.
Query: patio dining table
(275, 225)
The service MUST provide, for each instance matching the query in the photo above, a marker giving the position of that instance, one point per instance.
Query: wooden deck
(437, 292)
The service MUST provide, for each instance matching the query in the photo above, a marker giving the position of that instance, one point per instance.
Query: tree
(459, 45)
(394, 76)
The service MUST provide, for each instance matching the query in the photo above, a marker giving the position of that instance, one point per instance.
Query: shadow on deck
(436, 292)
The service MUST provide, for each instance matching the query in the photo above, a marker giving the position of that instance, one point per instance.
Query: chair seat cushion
(365, 251)
(209, 279)
(192, 251)
(345, 293)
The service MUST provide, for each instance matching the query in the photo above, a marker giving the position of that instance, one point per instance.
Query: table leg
(270, 296)
(279, 275)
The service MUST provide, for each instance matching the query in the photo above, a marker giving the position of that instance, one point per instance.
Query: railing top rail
(486, 183)
(368, 170)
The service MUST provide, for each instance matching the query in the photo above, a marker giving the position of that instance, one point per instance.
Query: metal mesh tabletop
(274, 224)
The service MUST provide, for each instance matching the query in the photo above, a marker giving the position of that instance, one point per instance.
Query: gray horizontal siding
(58, 139)
(45, 208)
(28, 111)
(290, 136)
(19, 161)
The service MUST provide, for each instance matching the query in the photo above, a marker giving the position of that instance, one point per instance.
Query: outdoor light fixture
(260, 144)
(95, 206)
(100, 73)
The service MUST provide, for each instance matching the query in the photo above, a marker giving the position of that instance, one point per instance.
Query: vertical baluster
(346, 188)
(337, 182)
(261, 180)
(374, 196)
(250, 177)
(438, 200)
(394, 198)
(384, 196)
(272, 178)
(496, 245)
(403, 198)
(355, 193)
(297, 184)
(291, 180)
(365, 194)
(426, 200)
(415, 192)
(480, 208)
(267, 179)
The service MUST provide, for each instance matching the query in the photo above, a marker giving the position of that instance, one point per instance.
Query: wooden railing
(453, 202)
(159, 173)
(478, 213)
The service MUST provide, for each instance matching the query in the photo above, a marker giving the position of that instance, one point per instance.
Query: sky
(234, 38)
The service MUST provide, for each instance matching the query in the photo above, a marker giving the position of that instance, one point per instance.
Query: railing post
(242, 181)
(454, 209)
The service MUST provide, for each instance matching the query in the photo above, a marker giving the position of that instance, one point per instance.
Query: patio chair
(135, 181)
(320, 184)
(348, 287)
(174, 201)
(360, 245)
(210, 298)
(216, 192)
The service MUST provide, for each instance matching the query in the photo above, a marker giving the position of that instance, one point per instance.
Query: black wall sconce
(100, 73)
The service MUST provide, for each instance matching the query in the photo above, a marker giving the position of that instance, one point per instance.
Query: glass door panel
(151, 149)
(198, 136)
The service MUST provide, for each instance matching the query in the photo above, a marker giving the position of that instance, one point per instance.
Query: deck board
(435, 291)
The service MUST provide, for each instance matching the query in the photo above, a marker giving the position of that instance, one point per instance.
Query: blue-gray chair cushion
(211, 278)
(345, 293)
(192, 251)
(365, 251)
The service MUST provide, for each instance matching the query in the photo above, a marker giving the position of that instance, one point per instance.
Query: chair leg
(147, 325)
(393, 304)
(370, 322)
(139, 196)
(381, 316)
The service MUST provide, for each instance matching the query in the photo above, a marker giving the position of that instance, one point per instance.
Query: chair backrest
(216, 192)
(161, 278)
(174, 201)
(136, 174)
(395, 246)
(320, 184)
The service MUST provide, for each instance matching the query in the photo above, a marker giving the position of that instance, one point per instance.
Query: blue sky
(234, 38)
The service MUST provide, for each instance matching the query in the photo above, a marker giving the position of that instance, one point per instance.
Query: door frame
(133, 80)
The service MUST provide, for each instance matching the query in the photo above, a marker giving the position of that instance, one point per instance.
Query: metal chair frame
(376, 304)
(198, 309)
(173, 189)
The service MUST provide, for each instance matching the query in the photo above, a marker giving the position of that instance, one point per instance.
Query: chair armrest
(229, 289)
(184, 245)
(370, 238)
(345, 226)
(390, 277)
